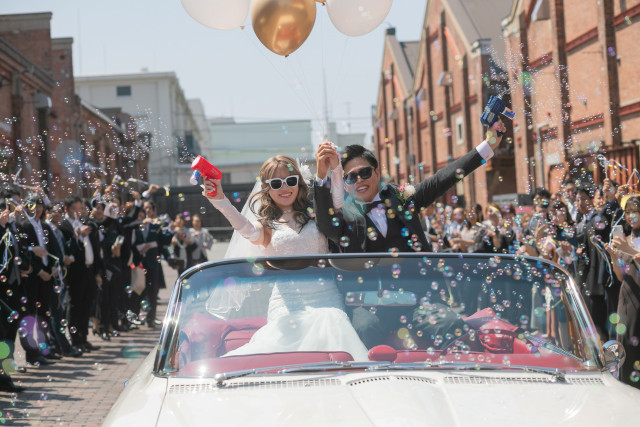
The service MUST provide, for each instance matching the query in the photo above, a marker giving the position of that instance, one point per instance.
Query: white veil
(239, 247)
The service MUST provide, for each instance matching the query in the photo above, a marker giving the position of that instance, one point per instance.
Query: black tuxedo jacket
(593, 271)
(352, 224)
(30, 239)
(157, 234)
(72, 242)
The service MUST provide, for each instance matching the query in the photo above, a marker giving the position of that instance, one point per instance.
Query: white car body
(445, 396)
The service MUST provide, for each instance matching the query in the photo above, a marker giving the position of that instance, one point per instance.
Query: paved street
(80, 392)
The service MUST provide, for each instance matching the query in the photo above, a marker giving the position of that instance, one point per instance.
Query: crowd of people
(591, 230)
(78, 267)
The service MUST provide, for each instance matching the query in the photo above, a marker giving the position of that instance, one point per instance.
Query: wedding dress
(303, 316)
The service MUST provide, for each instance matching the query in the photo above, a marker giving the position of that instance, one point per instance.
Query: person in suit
(118, 250)
(12, 304)
(376, 218)
(59, 297)
(81, 276)
(380, 218)
(150, 238)
(35, 238)
(593, 266)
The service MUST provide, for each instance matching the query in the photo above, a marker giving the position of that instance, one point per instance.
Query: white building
(239, 149)
(171, 126)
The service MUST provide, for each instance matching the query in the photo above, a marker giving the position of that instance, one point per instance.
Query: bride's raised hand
(326, 156)
(211, 185)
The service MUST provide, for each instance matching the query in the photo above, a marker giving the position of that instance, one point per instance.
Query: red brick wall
(588, 80)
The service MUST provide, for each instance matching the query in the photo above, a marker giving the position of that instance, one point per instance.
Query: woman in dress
(470, 233)
(202, 241)
(180, 244)
(284, 227)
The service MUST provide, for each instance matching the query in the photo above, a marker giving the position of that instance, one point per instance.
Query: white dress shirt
(37, 226)
(86, 242)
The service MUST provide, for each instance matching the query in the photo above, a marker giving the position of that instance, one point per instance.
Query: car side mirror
(614, 356)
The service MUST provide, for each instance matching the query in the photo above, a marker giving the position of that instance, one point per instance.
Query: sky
(231, 71)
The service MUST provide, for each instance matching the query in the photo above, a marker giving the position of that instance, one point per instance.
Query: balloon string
(307, 92)
(287, 81)
(339, 76)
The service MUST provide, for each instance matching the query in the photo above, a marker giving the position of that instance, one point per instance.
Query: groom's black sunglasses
(363, 173)
(276, 183)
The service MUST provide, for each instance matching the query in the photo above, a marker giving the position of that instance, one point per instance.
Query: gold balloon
(283, 25)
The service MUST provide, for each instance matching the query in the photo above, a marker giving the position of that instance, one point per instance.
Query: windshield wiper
(550, 346)
(288, 369)
(558, 374)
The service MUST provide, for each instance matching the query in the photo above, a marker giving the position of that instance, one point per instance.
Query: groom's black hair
(353, 151)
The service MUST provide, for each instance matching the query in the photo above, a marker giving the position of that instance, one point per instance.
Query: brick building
(573, 69)
(432, 93)
(45, 126)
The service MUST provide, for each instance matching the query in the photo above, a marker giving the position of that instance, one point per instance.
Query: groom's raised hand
(495, 133)
(326, 157)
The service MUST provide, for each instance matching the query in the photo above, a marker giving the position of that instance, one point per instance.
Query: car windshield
(411, 310)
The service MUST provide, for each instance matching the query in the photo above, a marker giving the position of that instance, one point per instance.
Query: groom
(383, 219)
(375, 219)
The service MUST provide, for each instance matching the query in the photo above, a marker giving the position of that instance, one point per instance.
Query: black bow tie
(372, 205)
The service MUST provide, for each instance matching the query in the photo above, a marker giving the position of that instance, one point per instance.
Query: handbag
(137, 279)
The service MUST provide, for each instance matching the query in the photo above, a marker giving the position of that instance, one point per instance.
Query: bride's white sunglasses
(276, 183)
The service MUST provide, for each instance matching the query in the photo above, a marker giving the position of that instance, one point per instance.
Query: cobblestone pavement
(81, 391)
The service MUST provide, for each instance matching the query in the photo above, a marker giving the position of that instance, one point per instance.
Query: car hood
(381, 399)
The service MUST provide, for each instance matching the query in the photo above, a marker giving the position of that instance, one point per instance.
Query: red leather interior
(495, 341)
(210, 337)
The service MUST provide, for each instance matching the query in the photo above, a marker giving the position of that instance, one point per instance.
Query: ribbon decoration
(611, 163)
(8, 240)
(17, 183)
(142, 182)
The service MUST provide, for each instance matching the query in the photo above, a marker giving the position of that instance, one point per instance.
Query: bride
(283, 226)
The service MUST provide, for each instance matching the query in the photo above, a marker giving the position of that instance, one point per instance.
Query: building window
(123, 90)
(541, 11)
(186, 148)
(145, 139)
(459, 131)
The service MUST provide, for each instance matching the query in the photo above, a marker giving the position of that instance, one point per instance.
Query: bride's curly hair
(268, 212)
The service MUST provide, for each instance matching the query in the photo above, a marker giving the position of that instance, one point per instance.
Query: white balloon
(218, 14)
(357, 17)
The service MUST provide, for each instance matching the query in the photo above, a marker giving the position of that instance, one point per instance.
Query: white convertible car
(380, 340)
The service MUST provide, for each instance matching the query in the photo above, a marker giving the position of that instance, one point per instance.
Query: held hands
(326, 157)
(608, 189)
(40, 251)
(623, 190)
(4, 217)
(153, 188)
(619, 244)
(85, 230)
(211, 185)
(44, 276)
(492, 136)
